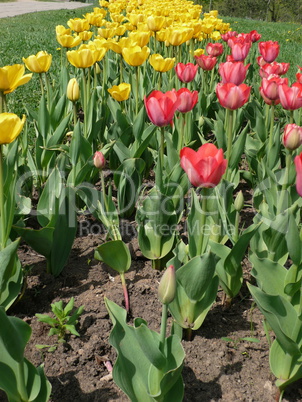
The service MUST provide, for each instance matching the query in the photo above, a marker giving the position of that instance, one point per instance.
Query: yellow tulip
(135, 18)
(135, 56)
(178, 36)
(97, 50)
(140, 37)
(120, 92)
(82, 58)
(69, 40)
(216, 35)
(10, 127)
(73, 90)
(78, 24)
(61, 30)
(11, 77)
(160, 64)
(198, 52)
(106, 32)
(85, 35)
(155, 22)
(39, 63)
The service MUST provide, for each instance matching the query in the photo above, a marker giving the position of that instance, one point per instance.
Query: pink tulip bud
(99, 160)
(292, 136)
(167, 286)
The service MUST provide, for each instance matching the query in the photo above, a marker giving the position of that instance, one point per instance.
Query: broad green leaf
(115, 254)
(293, 241)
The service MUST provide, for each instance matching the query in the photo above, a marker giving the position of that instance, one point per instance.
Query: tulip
(155, 22)
(269, 50)
(239, 48)
(82, 58)
(78, 24)
(120, 92)
(255, 36)
(234, 72)
(187, 98)
(214, 49)
(299, 75)
(292, 136)
(10, 127)
(141, 38)
(160, 64)
(11, 77)
(232, 96)
(99, 160)
(269, 89)
(161, 107)
(68, 41)
(178, 36)
(290, 97)
(186, 72)
(225, 37)
(273, 68)
(39, 63)
(298, 165)
(73, 90)
(207, 63)
(135, 56)
(61, 30)
(167, 286)
(85, 35)
(205, 167)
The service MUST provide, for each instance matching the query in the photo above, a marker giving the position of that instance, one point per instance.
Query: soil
(214, 369)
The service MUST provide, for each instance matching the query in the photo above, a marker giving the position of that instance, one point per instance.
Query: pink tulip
(187, 98)
(225, 37)
(269, 50)
(99, 160)
(186, 72)
(161, 107)
(298, 165)
(269, 89)
(291, 97)
(239, 48)
(232, 96)
(292, 136)
(214, 49)
(205, 62)
(205, 167)
(233, 72)
(273, 68)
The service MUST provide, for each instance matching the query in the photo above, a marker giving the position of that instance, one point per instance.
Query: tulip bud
(97, 69)
(292, 136)
(99, 160)
(167, 286)
(239, 201)
(73, 90)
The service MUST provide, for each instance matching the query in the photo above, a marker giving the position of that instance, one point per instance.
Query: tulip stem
(229, 119)
(104, 192)
(162, 147)
(285, 185)
(291, 117)
(136, 93)
(271, 132)
(163, 327)
(125, 290)
(2, 102)
(41, 84)
(2, 245)
(75, 113)
(47, 90)
(85, 103)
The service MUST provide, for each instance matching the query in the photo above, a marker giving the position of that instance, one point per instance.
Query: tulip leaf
(293, 241)
(115, 254)
(39, 239)
(196, 275)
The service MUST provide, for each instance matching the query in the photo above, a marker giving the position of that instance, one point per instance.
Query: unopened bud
(239, 201)
(99, 160)
(167, 286)
(73, 90)
(97, 69)
(292, 136)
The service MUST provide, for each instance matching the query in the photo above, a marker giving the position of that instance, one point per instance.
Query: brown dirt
(214, 370)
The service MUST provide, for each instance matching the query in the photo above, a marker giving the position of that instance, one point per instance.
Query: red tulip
(207, 63)
(205, 167)
(299, 75)
(269, 50)
(255, 36)
(260, 61)
(239, 48)
(187, 98)
(232, 96)
(186, 72)
(292, 136)
(161, 107)
(269, 89)
(245, 36)
(298, 165)
(273, 68)
(291, 97)
(214, 49)
(234, 72)
(225, 37)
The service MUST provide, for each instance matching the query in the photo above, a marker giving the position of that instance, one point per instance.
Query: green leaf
(115, 254)
(294, 244)
(39, 239)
